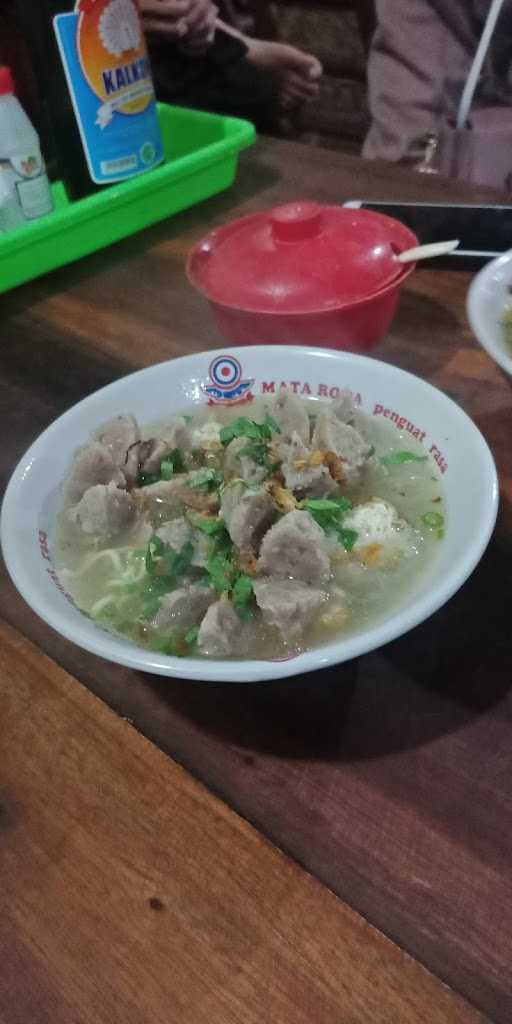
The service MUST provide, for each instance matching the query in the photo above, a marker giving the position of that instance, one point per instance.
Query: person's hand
(191, 22)
(165, 18)
(201, 22)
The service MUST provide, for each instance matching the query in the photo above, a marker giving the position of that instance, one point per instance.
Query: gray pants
(419, 60)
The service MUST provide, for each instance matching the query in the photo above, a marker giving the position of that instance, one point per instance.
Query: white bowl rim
(477, 318)
(106, 645)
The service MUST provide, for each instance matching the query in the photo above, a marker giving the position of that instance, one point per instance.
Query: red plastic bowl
(275, 278)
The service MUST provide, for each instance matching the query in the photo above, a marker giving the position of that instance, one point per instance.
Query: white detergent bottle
(10, 210)
(24, 180)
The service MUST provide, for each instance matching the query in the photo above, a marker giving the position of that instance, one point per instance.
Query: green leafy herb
(172, 645)
(347, 538)
(206, 479)
(335, 505)
(173, 463)
(177, 563)
(219, 570)
(177, 644)
(167, 469)
(271, 425)
(241, 427)
(329, 513)
(151, 593)
(244, 427)
(155, 550)
(243, 595)
(188, 419)
(219, 565)
(371, 452)
(434, 521)
(164, 570)
(209, 526)
(398, 458)
(257, 452)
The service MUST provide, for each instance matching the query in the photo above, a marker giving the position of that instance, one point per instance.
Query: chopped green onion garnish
(242, 595)
(434, 520)
(167, 469)
(335, 505)
(244, 427)
(155, 550)
(209, 526)
(347, 538)
(398, 458)
(208, 479)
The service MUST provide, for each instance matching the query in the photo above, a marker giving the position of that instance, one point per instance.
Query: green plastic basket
(201, 159)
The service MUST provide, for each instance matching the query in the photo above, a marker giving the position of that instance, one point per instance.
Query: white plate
(463, 458)
(487, 297)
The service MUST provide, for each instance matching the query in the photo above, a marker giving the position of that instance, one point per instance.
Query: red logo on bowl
(226, 386)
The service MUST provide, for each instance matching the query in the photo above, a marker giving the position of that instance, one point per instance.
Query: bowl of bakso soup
(489, 309)
(250, 513)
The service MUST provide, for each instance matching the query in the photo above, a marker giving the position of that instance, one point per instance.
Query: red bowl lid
(299, 258)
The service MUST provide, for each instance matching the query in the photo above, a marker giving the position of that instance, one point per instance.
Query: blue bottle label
(107, 69)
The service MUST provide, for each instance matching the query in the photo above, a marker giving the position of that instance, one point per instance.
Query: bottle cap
(6, 81)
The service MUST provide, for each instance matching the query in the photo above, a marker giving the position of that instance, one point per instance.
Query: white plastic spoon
(427, 252)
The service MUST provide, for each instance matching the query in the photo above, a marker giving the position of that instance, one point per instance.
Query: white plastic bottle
(24, 187)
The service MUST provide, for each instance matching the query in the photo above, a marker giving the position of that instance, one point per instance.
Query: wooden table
(128, 890)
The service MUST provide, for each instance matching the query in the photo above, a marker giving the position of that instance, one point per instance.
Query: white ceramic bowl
(487, 297)
(469, 480)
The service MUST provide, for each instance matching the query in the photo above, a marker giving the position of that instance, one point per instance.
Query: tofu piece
(295, 548)
(289, 605)
(184, 608)
(382, 535)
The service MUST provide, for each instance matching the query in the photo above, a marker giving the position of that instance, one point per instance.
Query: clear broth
(99, 577)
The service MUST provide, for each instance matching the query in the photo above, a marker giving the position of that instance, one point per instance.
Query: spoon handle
(425, 252)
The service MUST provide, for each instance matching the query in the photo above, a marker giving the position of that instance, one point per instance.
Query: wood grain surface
(390, 778)
(129, 894)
